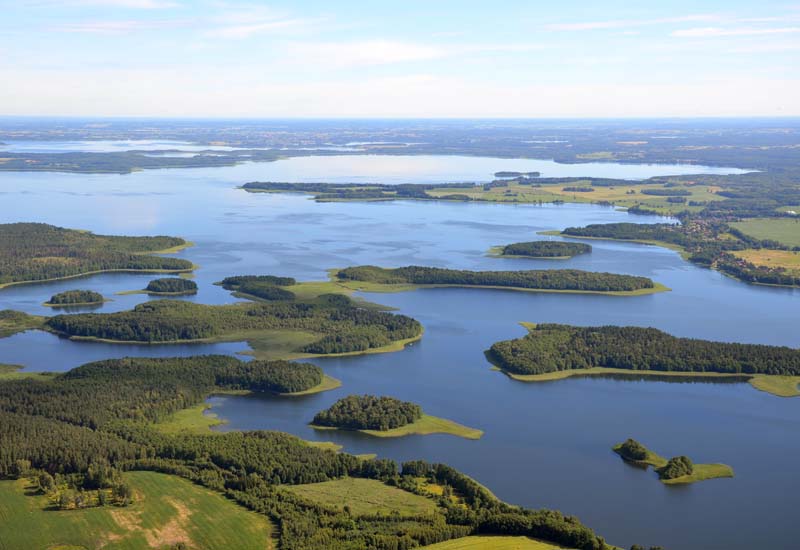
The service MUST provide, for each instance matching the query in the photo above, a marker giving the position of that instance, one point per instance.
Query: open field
(194, 420)
(784, 230)
(771, 258)
(364, 496)
(167, 510)
(493, 543)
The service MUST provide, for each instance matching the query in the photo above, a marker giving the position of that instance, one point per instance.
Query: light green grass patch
(784, 230)
(167, 510)
(328, 383)
(424, 426)
(364, 497)
(494, 543)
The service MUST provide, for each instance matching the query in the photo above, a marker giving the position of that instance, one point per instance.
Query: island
(172, 286)
(675, 471)
(554, 351)
(326, 324)
(112, 434)
(35, 252)
(379, 279)
(386, 417)
(541, 250)
(263, 287)
(75, 298)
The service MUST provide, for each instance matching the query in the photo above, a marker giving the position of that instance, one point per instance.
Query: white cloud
(713, 32)
(247, 30)
(386, 52)
(172, 92)
(133, 4)
(108, 27)
(625, 23)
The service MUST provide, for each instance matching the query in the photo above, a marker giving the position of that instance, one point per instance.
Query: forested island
(676, 470)
(263, 287)
(76, 433)
(172, 286)
(551, 351)
(32, 252)
(544, 280)
(328, 324)
(386, 417)
(75, 298)
(554, 250)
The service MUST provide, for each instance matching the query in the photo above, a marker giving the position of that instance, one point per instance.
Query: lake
(546, 445)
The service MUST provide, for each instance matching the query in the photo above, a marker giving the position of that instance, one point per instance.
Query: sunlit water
(545, 444)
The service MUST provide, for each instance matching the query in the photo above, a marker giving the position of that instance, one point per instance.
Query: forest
(71, 297)
(345, 328)
(368, 412)
(544, 279)
(264, 287)
(546, 249)
(83, 427)
(553, 347)
(37, 251)
(171, 285)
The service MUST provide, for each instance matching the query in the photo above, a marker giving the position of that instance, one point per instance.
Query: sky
(432, 58)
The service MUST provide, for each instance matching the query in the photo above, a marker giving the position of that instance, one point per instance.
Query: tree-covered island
(386, 417)
(553, 351)
(549, 250)
(75, 298)
(676, 470)
(171, 286)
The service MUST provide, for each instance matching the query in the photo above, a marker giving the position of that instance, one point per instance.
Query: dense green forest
(75, 297)
(552, 347)
(544, 279)
(368, 412)
(345, 328)
(171, 285)
(677, 466)
(37, 251)
(264, 287)
(85, 426)
(708, 242)
(546, 249)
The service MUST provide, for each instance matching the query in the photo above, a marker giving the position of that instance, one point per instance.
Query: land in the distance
(554, 352)
(541, 250)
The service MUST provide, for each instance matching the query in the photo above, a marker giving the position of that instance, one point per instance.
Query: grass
(364, 497)
(167, 510)
(12, 322)
(493, 543)
(194, 420)
(771, 258)
(784, 230)
(782, 386)
(424, 426)
(701, 472)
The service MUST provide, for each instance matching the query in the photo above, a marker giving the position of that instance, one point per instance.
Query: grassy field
(784, 230)
(494, 543)
(424, 426)
(328, 383)
(167, 510)
(12, 322)
(11, 372)
(782, 386)
(701, 471)
(194, 420)
(771, 258)
(364, 496)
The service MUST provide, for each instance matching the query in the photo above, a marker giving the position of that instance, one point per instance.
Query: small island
(279, 377)
(541, 250)
(75, 298)
(386, 417)
(171, 286)
(677, 470)
(553, 351)
(379, 279)
(263, 287)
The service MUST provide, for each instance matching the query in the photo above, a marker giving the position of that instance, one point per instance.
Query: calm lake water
(546, 445)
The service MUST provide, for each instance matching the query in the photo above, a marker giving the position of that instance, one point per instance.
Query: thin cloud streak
(626, 23)
(714, 32)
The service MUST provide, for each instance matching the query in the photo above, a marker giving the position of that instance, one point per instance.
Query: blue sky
(434, 58)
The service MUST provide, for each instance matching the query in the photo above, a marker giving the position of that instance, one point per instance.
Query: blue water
(545, 444)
